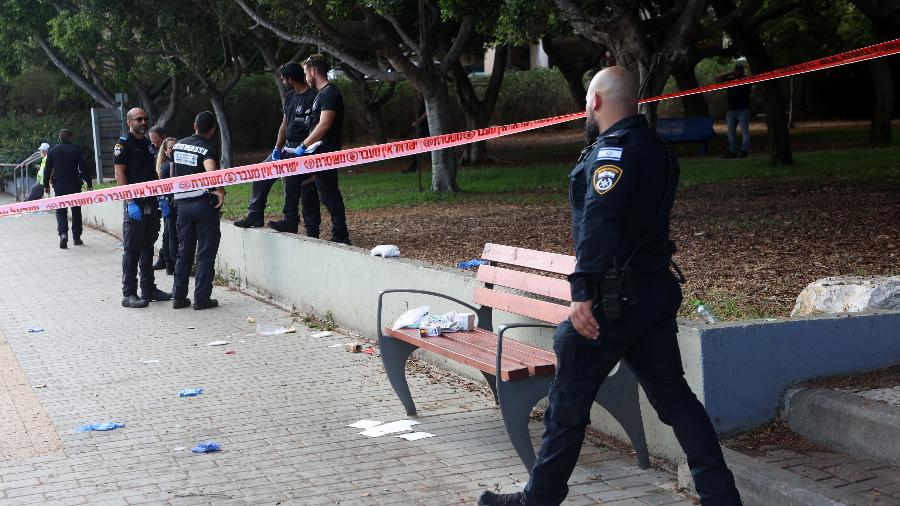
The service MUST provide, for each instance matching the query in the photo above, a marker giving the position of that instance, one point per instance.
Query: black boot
(156, 294)
(78, 241)
(63, 241)
(180, 303)
(206, 304)
(160, 262)
(134, 301)
(283, 226)
(488, 498)
(249, 221)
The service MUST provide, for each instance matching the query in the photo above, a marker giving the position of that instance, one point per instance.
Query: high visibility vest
(40, 174)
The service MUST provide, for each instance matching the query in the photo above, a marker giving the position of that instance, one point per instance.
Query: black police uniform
(621, 193)
(138, 236)
(66, 170)
(170, 233)
(197, 222)
(326, 187)
(296, 110)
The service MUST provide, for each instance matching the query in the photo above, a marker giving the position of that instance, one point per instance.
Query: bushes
(21, 134)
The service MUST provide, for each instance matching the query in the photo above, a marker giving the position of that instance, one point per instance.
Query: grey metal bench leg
(492, 382)
(394, 354)
(517, 399)
(620, 397)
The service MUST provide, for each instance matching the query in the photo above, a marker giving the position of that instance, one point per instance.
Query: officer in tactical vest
(625, 298)
(134, 163)
(198, 215)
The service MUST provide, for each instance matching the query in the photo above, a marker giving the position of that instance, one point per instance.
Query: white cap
(43, 147)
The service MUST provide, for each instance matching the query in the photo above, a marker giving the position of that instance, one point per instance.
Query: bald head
(612, 95)
(137, 122)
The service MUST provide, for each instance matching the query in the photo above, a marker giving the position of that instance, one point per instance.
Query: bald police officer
(134, 163)
(198, 215)
(625, 300)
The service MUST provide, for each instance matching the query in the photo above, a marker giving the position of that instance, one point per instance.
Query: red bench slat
(532, 308)
(463, 353)
(525, 281)
(532, 259)
(539, 362)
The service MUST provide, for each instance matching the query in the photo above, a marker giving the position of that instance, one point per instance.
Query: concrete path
(279, 405)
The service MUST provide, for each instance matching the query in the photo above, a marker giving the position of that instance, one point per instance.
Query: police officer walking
(66, 170)
(326, 119)
(198, 215)
(625, 300)
(134, 163)
(293, 130)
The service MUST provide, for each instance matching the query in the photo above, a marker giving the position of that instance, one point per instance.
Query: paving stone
(279, 407)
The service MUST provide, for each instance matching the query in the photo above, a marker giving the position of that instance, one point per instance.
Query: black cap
(292, 70)
(205, 121)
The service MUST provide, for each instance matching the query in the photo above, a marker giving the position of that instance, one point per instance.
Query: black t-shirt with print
(297, 109)
(329, 99)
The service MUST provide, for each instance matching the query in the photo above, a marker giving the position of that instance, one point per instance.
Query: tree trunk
(437, 108)
(479, 111)
(376, 123)
(171, 105)
(694, 105)
(218, 103)
(883, 83)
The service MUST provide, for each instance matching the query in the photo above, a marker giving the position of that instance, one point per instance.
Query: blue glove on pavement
(134, 212)
(164, 207)
(276, 154)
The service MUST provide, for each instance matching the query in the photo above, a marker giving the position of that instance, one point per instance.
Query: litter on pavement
(251, 319)
(190, 392)
(385, 251)
(389, 428)
(207, 447)
(35, 330)
(100, 426)
(364, 424)
(218, 343)
(319, 335)
(272, 330)
(415, 436)
(150, 361)
(468, 264)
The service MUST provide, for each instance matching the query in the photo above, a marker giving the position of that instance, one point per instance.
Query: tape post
(387, 151)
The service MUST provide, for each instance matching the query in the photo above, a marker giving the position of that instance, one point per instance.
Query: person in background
(66, 170)
(156, 134)
(37, 191)
(169, 250)
(738, 112)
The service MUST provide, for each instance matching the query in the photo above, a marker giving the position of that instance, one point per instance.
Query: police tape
(356, 156)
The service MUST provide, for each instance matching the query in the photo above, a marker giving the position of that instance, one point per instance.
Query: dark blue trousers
(198, 233)
(645, 337)
(62, 217)
(138, 238)
(326, 192)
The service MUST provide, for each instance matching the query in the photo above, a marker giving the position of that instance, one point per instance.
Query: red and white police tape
(357, 156)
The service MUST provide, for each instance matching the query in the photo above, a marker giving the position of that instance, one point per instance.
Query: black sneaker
(342, 240)
(248, 222)
(283, 226)
(134, 301)
(170, 270)
(160, 263)
(63, 241)
(488, 498)
(206, 304)
(156, 294)
(180, 303)
(78, 241)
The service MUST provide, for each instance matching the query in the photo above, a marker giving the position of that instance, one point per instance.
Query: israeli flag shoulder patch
(609, 154)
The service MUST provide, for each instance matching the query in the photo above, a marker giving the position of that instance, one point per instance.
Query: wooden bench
(688, 129)
(519, 374)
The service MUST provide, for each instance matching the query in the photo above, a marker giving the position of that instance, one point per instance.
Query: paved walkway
(279, 405)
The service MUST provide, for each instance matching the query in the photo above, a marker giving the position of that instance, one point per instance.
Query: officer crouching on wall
(625, 300)
(198, 215)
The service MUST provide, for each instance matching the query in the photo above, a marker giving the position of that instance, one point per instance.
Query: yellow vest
(40, 174)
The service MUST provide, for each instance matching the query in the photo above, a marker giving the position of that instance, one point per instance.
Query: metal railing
(20, 175)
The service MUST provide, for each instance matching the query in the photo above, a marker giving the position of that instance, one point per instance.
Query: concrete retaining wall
(738, 370)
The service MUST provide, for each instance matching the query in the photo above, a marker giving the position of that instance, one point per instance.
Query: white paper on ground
(365, 424)
(389, 428)
(218, 343)
(336, 345)
(322, 334)
(150, 361)
(415, 436)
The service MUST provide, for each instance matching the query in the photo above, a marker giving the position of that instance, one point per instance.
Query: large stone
(848, 294)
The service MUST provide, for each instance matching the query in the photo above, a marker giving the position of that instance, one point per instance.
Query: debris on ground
(468, 264)
(369, 351)
(273, 330)
(365, 424)
(100, 426)
(353, 347)
(389, 428)
(385, 251)
(35, 330)
(415, 436)
(190, 392)
(251, 319)
(150, 361)
(217, 343)
(229, 352)
(318, 335)
(207, 447)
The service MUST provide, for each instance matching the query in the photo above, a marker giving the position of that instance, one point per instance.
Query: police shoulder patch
(118, 148)
(608, 153)
(605, 178)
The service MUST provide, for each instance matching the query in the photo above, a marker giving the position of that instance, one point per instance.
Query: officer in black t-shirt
(66, 170)
(326, 118)
(198, 215)
(134, 163)
(294, 128)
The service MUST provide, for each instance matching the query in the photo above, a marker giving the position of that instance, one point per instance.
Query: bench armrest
(382, 293)
(502, 330)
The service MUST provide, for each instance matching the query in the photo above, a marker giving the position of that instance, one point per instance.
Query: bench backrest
(689, 127)
(537, 284)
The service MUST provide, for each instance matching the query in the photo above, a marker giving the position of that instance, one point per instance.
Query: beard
(591, 130)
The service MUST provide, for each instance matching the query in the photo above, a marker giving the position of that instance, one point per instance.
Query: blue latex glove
(276, 154)
(207, 447)
(100, 426)
(164, 207)
(190, 392)
(299, 150)
(134, 212)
